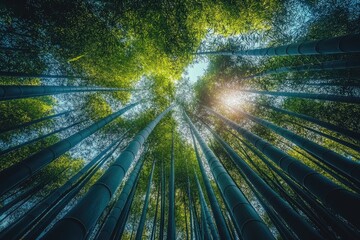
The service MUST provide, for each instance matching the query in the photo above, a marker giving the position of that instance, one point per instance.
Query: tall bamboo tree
(162, 207)
(108, 227)
(245, 216)
(329, 126)
(23, 224)
(186, 218)
(195, 222)
(302, 228)
(29, 193)
(77, 223)
(327, 97)
(171, 214)
(324, 166)
(29, 166)
(208, 217)
(328, 192)
(343, 164)
(153, 229)
(26, 124)
(36, 75)
(337, 45)
(218, 215)
(22, 91)
(319, 212)
(46, 220)
(120, 225)
(322, 212)
(189, 206)
(279, 222)
(10, 149)
(140, 230)
(284, 231)
(204, 226)
(335, 139)
(125, 213)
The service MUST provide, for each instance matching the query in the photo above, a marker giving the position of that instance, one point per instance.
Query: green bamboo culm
(10, 149)
(21, 171)
(326, 97)
(215, 207)
(322, 212)
(335, 139)
(324, 66)
(337, 45)
(78, 222)
(346, 166)
(141, 225)
(171, 230)
(22, 91)
(24, 196)
(204, 226)
(36, 75)
(297, 223)
(120, 225)
(206, 210)
(248, 221)
(329, 126)
(278, 221)
(154, 223)
(327, 191)
(195, 223)
(61, 204)
(18, 228)
(108, 227)
(26, 124)
(162, 204)
(190, 207)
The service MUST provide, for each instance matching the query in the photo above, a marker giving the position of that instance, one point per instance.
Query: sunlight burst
(232, 99)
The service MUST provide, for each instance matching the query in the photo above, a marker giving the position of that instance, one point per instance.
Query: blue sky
(197, 69)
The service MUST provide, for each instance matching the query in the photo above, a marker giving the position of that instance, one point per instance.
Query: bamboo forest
(180, 119)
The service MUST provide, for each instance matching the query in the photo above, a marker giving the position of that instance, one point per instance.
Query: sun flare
(232, 99)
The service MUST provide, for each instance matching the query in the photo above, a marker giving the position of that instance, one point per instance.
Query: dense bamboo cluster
(292, 199)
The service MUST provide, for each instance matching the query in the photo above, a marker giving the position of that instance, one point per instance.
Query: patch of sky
(196, 69)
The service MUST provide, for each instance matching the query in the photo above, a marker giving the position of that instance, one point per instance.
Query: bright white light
(232, 99)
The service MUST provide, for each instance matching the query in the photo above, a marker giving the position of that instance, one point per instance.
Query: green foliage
(24, 110)
(97, 107)
(56, 170)
(16, 156)
(118, 43)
